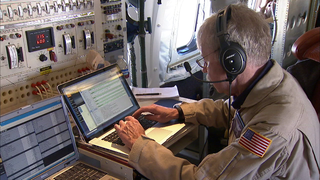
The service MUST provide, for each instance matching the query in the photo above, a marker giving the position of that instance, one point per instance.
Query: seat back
(307, 69)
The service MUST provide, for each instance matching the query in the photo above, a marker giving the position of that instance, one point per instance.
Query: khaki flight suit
(276, 108)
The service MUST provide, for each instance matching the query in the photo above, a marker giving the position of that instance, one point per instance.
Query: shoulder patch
(254, 142)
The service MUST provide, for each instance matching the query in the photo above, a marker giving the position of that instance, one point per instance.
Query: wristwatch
(181, 118)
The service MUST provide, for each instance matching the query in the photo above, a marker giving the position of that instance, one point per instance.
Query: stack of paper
(155, 93)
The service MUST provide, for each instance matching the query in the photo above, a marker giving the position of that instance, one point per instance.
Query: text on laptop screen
(99, 101)
(34, 141)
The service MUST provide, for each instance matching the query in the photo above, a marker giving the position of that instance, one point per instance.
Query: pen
(148, 94)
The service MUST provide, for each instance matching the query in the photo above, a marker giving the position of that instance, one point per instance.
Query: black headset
(232, 56)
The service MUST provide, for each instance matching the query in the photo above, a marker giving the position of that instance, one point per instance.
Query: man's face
(214, 70)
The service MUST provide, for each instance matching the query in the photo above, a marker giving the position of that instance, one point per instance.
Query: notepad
(155, 93)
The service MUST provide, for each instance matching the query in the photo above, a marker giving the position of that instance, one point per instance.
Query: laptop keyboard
(81, 171)
(114, 138)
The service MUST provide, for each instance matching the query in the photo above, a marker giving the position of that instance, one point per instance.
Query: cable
(39, 91)
(46, 93)
(274, 30)
(229, 114)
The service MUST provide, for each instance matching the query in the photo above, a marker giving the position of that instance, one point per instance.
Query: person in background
(273, 129)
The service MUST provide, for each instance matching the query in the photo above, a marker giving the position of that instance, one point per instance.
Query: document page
(155, 93)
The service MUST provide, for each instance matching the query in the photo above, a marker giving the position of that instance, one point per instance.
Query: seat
(307, 69)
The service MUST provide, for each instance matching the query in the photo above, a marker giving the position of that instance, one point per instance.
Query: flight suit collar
(264, 86)
(266, 82)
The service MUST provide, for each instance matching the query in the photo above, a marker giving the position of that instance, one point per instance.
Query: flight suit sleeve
(157, 162)
(233, 162)
(207, 112)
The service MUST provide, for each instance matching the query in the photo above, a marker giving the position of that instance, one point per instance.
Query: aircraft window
(186, 41)
(180, 22)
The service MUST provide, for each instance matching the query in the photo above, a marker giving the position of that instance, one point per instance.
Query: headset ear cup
(233, 59)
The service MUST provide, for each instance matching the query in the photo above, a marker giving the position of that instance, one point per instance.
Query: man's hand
(129, 131)
(158, 113)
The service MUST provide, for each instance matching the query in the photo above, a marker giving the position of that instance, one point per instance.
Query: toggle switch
(55, 6)
(1, 15)
(64, 6)
(20, 11)
(47, 8)
(39, 9)
(10, 12)
(53, 56)
(30, 10)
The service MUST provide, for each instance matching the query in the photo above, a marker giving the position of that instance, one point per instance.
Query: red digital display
(40, 39)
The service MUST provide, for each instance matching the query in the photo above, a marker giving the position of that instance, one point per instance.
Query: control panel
(44, 43)
(113, 25)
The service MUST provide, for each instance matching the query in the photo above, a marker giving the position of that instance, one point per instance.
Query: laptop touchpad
(158, 134)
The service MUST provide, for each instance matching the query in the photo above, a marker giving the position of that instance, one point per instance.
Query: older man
(273, 129)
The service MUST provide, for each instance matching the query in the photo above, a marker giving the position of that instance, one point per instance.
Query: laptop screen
(36, 141)
(99, 100)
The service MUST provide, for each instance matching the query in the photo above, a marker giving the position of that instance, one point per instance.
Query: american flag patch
(255, 142)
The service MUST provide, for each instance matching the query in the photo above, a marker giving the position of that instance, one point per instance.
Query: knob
(43, 57)
(109, 36)
(13, 36)
(18, 35)
(60, 27)
(119, 27)
(5, 37)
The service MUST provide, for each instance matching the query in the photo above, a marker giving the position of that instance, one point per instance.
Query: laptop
(101, 99)
(37, 143)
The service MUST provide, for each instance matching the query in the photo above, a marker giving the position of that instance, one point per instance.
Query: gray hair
(246, 27)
